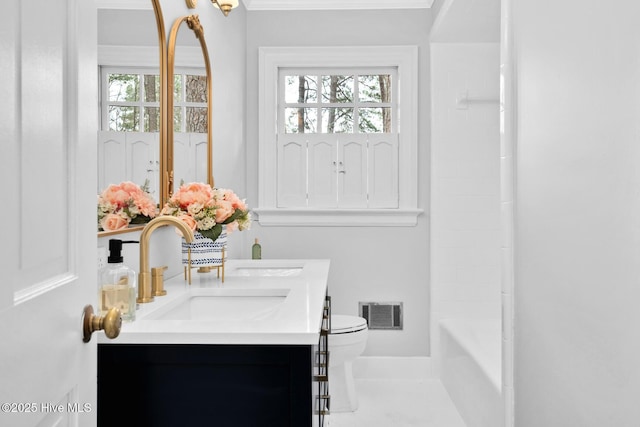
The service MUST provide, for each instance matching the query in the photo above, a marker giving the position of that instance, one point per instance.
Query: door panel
(112, 158)
(200, 145)
(182, 159)
(142, 159)
(49, 227)
(383, 171)
(292, 171)
(323, 164)
(352, 172)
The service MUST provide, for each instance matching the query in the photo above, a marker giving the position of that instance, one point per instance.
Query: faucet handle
(157, 281)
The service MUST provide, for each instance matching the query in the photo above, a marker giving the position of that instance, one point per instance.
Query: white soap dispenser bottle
(118, 284)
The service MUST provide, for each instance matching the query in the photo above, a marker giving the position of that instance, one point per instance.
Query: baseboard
(393, 368)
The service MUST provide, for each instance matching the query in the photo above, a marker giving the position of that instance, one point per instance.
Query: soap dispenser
(118, 284)
(256, 250)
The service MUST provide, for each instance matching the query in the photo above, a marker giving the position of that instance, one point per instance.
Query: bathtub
(470, 369)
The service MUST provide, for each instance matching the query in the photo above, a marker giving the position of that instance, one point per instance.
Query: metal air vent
(382, 315)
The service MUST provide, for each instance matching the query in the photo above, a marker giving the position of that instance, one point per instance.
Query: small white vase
(204, 251)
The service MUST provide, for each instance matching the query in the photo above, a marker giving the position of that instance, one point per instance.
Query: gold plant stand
(206, 269)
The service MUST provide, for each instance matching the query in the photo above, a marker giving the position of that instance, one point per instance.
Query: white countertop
(296, 287)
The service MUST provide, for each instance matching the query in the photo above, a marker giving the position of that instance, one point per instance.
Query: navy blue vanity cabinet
(160, 385)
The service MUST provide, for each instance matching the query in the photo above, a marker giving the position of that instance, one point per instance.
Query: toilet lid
(341, 324)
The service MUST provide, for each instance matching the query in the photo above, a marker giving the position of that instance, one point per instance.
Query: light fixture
(224, 5)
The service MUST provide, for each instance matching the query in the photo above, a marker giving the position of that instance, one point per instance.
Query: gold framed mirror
(193, 23)
(168, 48)
(164, 114)
(140, 61)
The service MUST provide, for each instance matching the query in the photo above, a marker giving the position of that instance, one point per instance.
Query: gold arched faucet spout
(144, 277)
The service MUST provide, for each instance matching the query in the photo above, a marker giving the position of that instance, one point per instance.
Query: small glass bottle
(256, 250)
(118, 284)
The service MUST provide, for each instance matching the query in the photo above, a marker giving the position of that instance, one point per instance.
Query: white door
(48, 124)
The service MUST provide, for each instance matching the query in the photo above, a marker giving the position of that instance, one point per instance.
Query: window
(190, 102)
(338, 137)
(324, 102)
(131, 100)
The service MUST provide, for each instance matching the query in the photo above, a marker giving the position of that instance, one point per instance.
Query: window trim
(405, 59)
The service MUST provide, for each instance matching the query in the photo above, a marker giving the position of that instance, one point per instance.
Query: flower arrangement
(126, 203)
(205, 209)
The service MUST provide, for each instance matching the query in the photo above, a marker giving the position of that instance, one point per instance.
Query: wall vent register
(382, 315)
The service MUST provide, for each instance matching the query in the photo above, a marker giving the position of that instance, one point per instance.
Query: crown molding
(124, 4)
(288, 4)
(335, 4)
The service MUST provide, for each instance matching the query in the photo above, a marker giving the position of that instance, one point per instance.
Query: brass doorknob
(110, 323)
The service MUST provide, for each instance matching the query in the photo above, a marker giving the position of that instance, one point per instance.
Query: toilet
(347, 340)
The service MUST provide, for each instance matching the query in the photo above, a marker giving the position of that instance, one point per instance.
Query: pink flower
(232, 226)
(188, 219)
(205, 208)
(224, 210)
(145, 204)
(113, 222)
(115, 195)
(127, 200)
(194, 192)
(236, 202)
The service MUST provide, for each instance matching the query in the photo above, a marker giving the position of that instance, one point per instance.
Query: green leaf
(140, 219)
(237, 214)
(213, 233)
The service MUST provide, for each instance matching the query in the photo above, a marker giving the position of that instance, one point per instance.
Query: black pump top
(115, 250)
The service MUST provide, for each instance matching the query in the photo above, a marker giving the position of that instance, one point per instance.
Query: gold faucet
(144, 277)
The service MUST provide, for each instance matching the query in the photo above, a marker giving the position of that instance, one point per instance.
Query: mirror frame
(163, 190)
(162, 45)
(193, 22)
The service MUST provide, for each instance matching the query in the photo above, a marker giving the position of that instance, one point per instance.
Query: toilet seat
(343, 324)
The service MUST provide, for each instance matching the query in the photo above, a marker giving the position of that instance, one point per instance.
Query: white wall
(577, 212)
(385, 264)
(465, 184)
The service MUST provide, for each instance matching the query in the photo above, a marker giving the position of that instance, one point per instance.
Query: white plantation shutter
(352, 171)
(337, 171)
(383, 170)
(292, 171)
(322, 171)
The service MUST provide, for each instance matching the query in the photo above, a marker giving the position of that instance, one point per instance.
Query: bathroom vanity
(251, 351)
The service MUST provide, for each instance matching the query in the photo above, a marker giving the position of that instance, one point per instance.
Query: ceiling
(290, 4)
(335, 4)
(464, 21)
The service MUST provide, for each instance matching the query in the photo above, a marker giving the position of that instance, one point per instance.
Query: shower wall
(577, 212)
(465, 183)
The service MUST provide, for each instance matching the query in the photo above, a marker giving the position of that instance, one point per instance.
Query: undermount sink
(223, 304)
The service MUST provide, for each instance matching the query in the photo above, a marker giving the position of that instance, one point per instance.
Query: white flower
(194, 209)
(206, 223)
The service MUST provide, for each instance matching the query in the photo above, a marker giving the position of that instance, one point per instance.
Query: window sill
(338, 217)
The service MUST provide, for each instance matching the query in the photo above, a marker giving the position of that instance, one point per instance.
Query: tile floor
(400, 403)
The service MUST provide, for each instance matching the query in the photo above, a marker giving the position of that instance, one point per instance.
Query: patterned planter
(204, 251)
